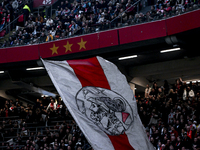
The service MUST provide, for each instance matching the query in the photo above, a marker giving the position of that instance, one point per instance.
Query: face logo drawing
(105, 108)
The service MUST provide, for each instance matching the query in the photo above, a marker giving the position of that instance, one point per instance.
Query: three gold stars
(82, 44)
(68, 46)
(54, 49)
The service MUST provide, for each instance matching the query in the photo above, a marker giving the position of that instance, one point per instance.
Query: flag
(101, 102)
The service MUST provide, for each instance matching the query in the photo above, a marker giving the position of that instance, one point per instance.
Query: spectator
(5, 44)
(53, 32)
(187, 142)
(43, 37)
(3, 22)
(171, 116)
(49, 37)
(174, 132)
(190, 93)
(10, 9)
(148, 17)
(39, 19)
(11, 42)
(168, 9)
(21, 42)
(35, 39)
(154, 118)
(31, 18)
(130, 9)
(26, 11)
(147, 91)
(51, 106)
(49, 23)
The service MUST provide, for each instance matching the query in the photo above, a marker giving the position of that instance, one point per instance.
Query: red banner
(22, 53)
(142, 32)
(3, 53)
(183, 23)
(69, 46)
(108, 38)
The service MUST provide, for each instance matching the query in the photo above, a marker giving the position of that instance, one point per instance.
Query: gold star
(54, 49)
(82, 44)
(68, 47)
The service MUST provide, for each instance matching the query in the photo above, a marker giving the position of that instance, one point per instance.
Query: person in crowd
(147, 91)
(49, 37)
(5, 44)
(3, 21)
(39, 19)
(26, 11)
(49, 23)
(52, 106)
(43, 37)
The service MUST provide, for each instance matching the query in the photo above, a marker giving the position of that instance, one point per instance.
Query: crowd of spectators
(9, 10)
(171, 115)
(46, 125)
(87, 16)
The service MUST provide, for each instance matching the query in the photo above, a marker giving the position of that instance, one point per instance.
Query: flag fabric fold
(101, 102)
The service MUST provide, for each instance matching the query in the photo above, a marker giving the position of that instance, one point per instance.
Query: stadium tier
(110, 39)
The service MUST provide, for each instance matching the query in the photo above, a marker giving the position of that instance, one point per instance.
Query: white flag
(101, 102)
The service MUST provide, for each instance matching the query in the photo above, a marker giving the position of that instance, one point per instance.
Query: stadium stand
(77, 18)
(170, 115)
(45, 125)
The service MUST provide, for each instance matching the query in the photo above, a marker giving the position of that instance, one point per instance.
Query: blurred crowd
(9, 10)
(86, 16)
(46, 125)
(171, 115)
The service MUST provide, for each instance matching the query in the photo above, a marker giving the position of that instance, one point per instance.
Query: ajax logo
(105, 108)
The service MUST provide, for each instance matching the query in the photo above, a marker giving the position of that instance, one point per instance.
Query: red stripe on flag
(90, 73)
(120, 142)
